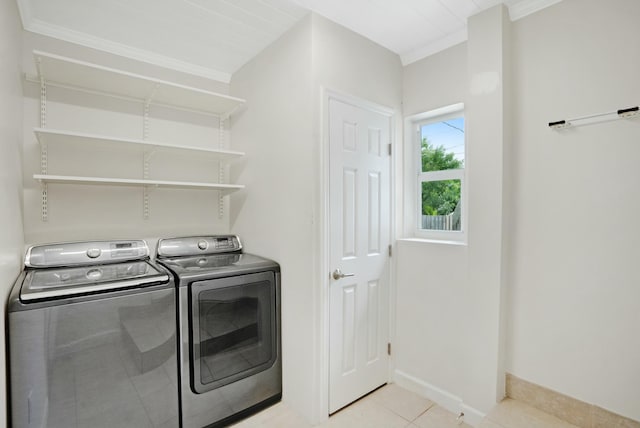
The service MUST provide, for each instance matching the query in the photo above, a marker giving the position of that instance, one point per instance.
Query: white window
(438, 165)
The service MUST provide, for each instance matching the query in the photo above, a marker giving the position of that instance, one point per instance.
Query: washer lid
(53, 283)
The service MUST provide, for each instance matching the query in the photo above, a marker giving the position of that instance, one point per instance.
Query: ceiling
(214, 38)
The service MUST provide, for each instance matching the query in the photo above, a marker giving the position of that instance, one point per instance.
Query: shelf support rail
(146, 190)
(221, 144)
(146, 158)
(44, 156)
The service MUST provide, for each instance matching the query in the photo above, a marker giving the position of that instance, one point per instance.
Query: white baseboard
(439, 396)
(472, 416)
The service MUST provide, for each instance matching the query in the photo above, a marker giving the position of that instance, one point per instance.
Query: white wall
(104, 212)
(575, 297)
(569, 287)
(449, 296)
(436, 81)
(279, 215)
(347, 62)
(430, 278)
(11, 234)
(275, 215)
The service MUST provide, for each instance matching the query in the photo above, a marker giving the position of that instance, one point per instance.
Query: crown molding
(79, 38)
(526, 7)
(516, 11)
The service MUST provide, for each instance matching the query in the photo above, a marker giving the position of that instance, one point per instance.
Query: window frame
(415, 124)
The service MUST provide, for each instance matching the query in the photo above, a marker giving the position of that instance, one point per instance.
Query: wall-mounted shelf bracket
(44, 155)
(148, 154)
(625, 113)
(146, 190)
(221, 146)
(145, 120)
(45, 202)
(44, 187)
(147, 109)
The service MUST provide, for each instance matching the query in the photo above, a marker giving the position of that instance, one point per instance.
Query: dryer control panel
(196, 245)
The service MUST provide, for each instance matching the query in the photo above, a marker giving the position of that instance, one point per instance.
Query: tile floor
(388, 407)
(515, 414)
(394, 407)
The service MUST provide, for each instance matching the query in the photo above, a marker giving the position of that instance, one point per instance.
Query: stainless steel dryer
(92, 338)
(229, 327)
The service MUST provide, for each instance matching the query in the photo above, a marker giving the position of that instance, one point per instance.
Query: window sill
(434, 241)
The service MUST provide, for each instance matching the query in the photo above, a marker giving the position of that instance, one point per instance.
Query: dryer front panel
(233, 331)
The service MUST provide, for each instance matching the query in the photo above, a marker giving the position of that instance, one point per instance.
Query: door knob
(337, 274)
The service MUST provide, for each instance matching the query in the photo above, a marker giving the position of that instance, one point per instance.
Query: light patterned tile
(438, 417)
(400, 401)
(486, 423)
(342, 420)
(285, 420)
(512, 413)
(277, 416)
(366, 414)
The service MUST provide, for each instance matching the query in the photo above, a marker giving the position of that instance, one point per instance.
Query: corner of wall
(12, 241)
(275, 214)
(507, 192)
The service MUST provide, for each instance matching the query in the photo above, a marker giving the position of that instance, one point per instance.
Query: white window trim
(415, 176)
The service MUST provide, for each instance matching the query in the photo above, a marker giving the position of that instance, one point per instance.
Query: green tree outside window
(439, 197)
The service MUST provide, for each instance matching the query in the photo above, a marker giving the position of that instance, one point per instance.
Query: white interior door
(359, 199)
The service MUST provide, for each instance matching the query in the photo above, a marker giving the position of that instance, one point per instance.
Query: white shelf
(67, 72)
(56, 136)
(63, 179)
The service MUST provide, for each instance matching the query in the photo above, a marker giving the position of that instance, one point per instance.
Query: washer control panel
(195, 245)
(83, 253)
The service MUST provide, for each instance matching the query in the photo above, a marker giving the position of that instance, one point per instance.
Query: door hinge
(388, 348)
(389, 145)
(390, 250)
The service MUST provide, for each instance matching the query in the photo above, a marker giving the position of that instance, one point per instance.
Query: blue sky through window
(448, 133)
